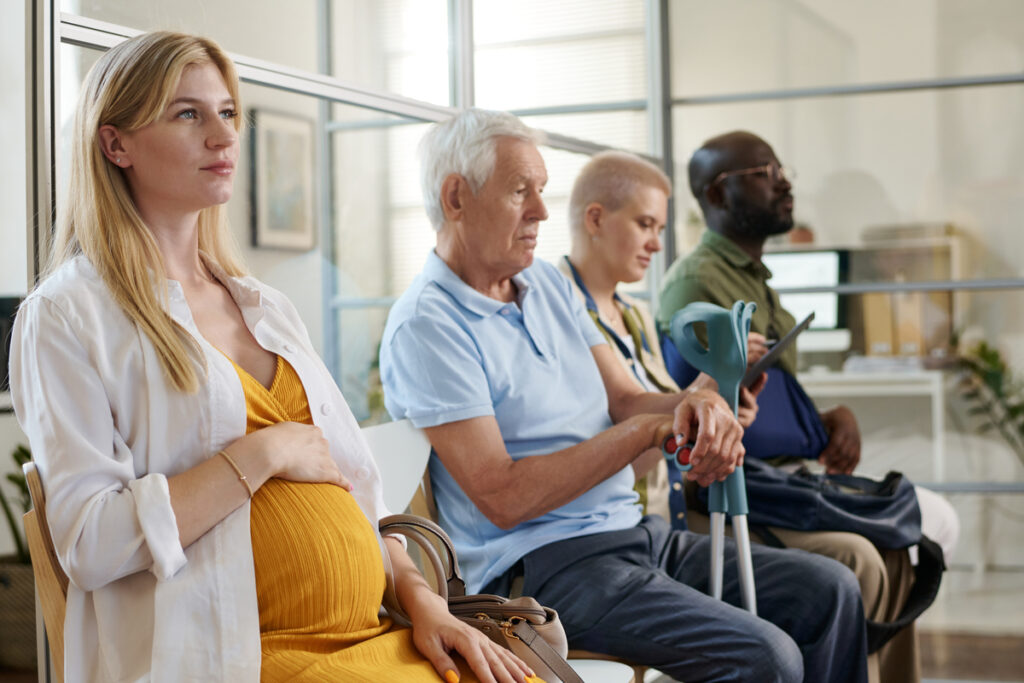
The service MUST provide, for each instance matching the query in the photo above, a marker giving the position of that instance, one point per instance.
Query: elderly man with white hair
(535, 425)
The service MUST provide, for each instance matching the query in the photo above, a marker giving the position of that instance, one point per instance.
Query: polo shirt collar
(731, 252)
(437, 271)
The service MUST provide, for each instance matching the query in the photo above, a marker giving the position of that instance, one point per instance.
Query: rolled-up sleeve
(159, 526)
(105, 521)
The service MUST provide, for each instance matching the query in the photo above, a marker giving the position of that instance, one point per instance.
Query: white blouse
(106, 430)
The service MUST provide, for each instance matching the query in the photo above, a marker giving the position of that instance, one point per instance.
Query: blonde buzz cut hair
(610, 179)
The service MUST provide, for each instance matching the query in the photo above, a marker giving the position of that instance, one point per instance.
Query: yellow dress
(319, 572)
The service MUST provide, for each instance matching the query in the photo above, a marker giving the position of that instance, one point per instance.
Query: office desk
(927, 383)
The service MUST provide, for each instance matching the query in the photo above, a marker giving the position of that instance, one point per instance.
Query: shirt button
(326, 409)
(677, 486)
(363, 473)
(680, 515)
(505, 311)
(289, 348)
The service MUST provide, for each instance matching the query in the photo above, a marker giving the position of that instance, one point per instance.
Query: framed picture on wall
(282, 168)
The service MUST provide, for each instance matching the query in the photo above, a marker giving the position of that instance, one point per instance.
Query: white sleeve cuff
(159, 525)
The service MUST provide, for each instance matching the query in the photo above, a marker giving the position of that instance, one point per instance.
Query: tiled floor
(990, 602)
(975, 628)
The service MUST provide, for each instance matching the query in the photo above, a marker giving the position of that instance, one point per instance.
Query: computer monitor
(813, 268)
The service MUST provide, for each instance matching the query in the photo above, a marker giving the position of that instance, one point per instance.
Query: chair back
(51, 581)
(402, 452)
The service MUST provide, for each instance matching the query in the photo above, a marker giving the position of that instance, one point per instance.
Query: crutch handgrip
(676, 454)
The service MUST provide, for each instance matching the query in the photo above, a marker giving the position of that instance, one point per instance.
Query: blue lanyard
(596, 315)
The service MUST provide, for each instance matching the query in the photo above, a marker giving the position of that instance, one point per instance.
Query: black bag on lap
(884, 512)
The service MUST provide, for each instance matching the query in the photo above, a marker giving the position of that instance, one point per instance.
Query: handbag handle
(450, 582)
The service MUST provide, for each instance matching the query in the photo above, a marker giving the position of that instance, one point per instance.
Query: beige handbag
(532, 632)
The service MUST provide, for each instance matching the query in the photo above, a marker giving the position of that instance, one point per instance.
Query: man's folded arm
(509, 492)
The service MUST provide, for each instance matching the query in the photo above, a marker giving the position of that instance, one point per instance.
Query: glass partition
(398, 46)
(735, 46)
(542, 54)
(620, 129)
(255, 28)
(934, 168)
(75, 63)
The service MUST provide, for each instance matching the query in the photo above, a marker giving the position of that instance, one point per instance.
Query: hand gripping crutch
(725, 360)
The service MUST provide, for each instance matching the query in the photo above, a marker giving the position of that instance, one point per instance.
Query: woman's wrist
(254, 465)
(423, 601)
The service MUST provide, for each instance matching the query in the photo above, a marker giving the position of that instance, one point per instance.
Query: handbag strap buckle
(508, 627)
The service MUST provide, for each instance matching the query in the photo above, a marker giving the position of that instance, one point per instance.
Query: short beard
(752, 223)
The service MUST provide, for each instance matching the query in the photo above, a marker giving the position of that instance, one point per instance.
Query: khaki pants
(885, 579)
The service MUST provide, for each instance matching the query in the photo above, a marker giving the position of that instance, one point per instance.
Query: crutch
(725, 360)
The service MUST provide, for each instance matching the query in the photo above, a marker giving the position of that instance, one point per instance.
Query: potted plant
(994, 393)
(17, 587)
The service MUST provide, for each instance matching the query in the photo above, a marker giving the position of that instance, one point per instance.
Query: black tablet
(768, 359)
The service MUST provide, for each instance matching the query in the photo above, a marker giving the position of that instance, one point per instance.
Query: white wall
(13, 222)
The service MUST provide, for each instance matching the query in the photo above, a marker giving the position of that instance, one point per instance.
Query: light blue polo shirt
(449, 353)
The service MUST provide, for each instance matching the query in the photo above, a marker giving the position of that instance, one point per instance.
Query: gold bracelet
(241, 477)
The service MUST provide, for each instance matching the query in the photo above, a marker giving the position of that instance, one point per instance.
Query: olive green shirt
(719, 272)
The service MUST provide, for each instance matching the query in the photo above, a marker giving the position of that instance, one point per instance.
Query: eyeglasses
(773, 171)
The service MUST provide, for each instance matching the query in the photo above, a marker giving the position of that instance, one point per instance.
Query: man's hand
(747, 410)
(842, 453)
(704, 418)
(757, 347)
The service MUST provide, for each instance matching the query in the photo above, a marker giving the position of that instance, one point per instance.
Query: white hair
(464, 145)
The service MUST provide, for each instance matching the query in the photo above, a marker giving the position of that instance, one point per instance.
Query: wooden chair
(402, 452)
(51, 581)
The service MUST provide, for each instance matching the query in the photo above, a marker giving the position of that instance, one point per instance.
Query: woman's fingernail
(451, 676)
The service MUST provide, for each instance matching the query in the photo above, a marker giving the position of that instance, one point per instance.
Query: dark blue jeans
(640, 594)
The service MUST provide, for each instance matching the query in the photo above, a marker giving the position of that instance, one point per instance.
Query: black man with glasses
(746, 197)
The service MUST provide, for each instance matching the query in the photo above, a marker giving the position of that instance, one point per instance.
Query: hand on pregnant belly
(297, 452)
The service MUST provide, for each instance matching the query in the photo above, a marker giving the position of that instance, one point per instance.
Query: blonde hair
(610, 179)
(128, 88)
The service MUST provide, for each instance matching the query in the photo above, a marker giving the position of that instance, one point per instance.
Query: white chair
(402, 452)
